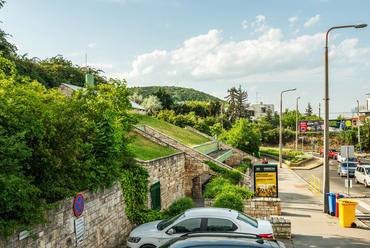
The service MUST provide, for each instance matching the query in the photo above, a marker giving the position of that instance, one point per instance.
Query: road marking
(364, 205)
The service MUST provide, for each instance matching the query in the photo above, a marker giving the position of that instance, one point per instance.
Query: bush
(233, 175)
(247, 164)
(229, 201)
(220, 185)
(178, 207)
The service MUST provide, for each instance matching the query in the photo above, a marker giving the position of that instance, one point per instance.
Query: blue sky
(265, 46)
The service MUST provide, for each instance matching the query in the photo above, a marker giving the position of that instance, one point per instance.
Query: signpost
(265, 180)
(347, 151)
(78, 208)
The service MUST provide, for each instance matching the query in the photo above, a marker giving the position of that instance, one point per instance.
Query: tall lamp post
(296, 126)
(358, 124)
(281, 136)
(326, 118)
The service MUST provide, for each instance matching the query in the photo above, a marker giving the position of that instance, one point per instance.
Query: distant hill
(177, 93)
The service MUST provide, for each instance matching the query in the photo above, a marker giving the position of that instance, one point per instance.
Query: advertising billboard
(318, 125)
(265, 180)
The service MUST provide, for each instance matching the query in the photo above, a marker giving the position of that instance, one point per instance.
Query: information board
(265, 180)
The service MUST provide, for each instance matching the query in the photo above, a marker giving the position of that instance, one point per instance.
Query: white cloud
(91, 45)
(260, 24)
(244, 24)
(312, 21)
(293, 19)
(204, 61)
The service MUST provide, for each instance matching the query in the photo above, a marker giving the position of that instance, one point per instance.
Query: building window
(155, 196)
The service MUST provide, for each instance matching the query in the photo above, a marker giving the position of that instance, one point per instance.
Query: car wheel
(334, 157)
(148, 246)
(322, 155)
(365, 183)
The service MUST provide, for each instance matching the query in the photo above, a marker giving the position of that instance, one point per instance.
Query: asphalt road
(357, 193)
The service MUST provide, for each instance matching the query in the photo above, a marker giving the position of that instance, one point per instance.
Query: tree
(309, 110)
(164, 98)
(236, 100)
(136, 98)
(242, 136)
(152, 104)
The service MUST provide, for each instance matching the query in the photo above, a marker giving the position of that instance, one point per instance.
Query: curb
(320, 199)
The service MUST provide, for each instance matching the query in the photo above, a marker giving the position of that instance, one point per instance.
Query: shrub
(229, 201)
(233, 175)
(178, 207)
(220, 185)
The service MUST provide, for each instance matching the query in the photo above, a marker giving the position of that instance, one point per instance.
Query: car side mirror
(170, 231)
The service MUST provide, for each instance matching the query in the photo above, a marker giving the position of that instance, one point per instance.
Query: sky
(265, 46)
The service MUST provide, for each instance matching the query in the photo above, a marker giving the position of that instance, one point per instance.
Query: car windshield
(352, 159)
(344, 165)
(334, 150)
(246, 218)
(165, 223)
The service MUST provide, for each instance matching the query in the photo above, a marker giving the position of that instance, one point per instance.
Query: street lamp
(280, 136)
(296, 126)
(326, 118)
(358, 124)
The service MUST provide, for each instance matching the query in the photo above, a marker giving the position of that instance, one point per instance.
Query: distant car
(350, 159)
(212, 240)
(362, 175)
(342, 169)
(333, 153)
(156, 233)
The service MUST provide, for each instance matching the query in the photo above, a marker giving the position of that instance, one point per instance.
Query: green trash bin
(347, 211)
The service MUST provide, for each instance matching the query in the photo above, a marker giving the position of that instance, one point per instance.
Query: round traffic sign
(79, 205)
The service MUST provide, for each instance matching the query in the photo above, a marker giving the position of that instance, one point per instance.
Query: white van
(362, 175)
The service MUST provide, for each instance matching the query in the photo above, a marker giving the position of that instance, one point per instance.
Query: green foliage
(179, 206)
(222, 184)
(229, 201)
(247, 164)
(164, 98)
(243, 137)
(134, 182)
(54, 146)
(177, 93)
(233, 176)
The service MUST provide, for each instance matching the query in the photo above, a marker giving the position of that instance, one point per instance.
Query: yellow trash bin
(347, 211)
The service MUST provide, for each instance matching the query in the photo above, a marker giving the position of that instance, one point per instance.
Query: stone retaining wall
(170, 172)
(261, 206)
(106, 224)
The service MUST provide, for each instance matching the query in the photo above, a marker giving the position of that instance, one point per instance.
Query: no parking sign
(79, 205)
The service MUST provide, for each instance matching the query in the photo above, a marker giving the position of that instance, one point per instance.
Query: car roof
(365, 166)
(220, 212)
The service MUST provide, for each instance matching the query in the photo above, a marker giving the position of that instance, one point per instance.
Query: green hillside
(177, 93)
(185, 136)
(146, 149)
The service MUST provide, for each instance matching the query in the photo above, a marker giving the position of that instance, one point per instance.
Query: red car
(333, 153)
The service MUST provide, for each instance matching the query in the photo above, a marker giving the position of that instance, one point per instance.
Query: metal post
(296, 126)
(280, 131)
(347, 148)
(358, 124)
(326, 175)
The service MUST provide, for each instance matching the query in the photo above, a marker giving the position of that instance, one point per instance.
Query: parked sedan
(362, 175)
(156, 233)
(342, 169)
(225, 240)
(333, 153)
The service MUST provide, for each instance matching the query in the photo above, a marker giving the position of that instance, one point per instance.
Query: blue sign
(79, 205)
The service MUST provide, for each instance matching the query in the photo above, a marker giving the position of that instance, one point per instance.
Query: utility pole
(319, 110)
(358, 124)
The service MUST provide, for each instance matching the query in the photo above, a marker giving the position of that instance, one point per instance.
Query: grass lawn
(185, 136)
(145, 149)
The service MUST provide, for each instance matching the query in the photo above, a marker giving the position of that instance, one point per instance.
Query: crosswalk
(362, 212)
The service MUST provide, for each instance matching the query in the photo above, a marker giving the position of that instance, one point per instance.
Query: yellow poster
(265, 181)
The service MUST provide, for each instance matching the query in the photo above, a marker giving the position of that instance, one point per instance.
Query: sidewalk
(310, 226)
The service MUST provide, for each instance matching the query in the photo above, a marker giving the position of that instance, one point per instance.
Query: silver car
(342, 169)
(156, 233)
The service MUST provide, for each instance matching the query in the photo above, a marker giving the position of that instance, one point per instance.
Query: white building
(257, 110)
